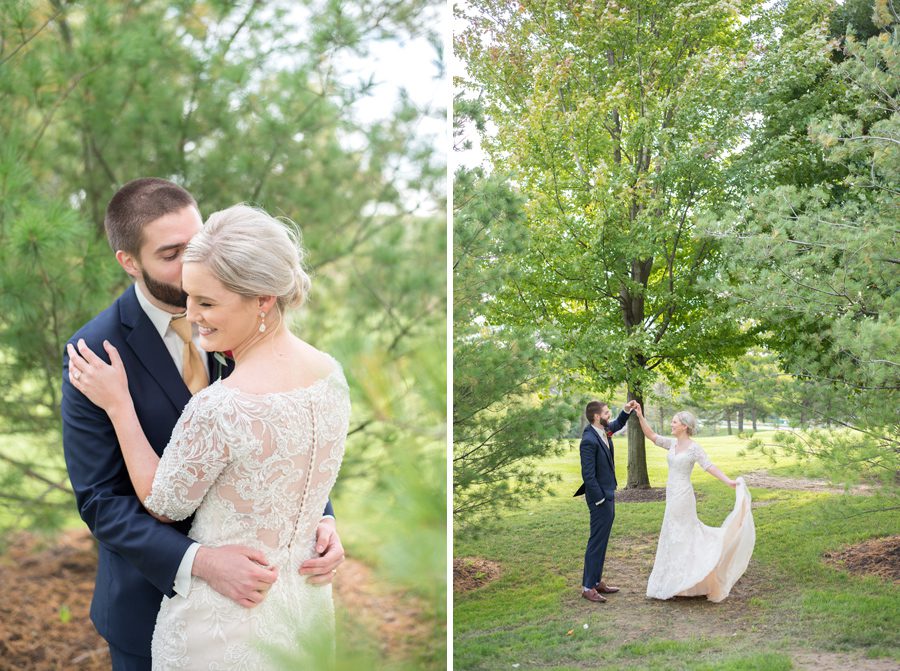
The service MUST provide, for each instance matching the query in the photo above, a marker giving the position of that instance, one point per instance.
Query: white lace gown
(693, 559)
(258, 470)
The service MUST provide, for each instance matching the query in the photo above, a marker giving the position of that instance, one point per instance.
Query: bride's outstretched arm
(715, 472)
(645, 427)
(106, 386)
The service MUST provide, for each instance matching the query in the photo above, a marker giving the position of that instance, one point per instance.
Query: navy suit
(598, 474)
(138, 555)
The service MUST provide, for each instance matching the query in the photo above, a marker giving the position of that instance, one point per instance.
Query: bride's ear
(266, 303)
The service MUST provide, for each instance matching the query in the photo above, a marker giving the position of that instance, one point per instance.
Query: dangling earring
(262, 326)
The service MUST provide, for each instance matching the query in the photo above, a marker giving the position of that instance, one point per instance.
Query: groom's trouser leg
(602, 517)
(125, 661)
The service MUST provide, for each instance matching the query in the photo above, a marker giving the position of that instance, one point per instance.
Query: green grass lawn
(788, 600)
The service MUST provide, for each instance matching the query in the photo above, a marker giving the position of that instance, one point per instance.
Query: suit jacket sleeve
(619, 423)
(104, 494)
(593, 491)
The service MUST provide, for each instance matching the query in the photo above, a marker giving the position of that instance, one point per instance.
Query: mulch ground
(473, 572)
(877, 556)
(47, 587)
(648, 495)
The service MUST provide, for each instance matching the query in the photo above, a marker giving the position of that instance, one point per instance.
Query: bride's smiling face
(225, 319)
(678, 429)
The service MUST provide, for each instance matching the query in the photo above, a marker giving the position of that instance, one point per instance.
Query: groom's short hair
(137, 204)
(593, 408)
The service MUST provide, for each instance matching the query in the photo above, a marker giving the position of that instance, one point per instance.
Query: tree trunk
(728, 421)
(741, 419)
(753, 417)
(637, 454)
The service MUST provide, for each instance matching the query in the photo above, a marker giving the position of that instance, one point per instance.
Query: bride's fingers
(75, 365)
(74, 356)
(114, 357)
(88, 354)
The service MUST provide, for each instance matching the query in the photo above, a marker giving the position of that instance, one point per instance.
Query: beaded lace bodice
(258, 470)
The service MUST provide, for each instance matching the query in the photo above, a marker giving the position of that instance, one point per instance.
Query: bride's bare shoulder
(315, 363)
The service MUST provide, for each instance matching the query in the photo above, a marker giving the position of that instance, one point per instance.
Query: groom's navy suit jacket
(598, 465)
(138, 555)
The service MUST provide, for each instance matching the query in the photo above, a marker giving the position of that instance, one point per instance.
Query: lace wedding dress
(257, 469)
(693, 559)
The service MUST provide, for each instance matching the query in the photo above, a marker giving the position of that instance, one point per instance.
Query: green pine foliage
(814, 251)
(502, 419)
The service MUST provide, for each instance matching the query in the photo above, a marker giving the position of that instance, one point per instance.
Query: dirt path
(764, 480)
(44, 623)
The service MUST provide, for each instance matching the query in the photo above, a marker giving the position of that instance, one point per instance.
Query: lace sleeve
(663, 442)
(701, 457)
(192, 461)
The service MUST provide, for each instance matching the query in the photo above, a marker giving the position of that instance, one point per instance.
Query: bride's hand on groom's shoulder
(104, 384)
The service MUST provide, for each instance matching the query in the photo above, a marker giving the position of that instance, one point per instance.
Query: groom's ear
(128, 263)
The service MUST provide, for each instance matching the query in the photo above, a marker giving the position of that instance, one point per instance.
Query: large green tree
(617, 121)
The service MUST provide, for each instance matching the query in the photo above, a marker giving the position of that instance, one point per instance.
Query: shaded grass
(790, 599)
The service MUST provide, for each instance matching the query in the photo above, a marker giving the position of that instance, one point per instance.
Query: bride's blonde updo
(252, 254)
(689, 421)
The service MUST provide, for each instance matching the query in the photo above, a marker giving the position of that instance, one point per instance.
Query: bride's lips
(205, 332)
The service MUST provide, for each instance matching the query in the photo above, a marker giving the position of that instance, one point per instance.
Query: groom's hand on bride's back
(320, 570)
(237, 572)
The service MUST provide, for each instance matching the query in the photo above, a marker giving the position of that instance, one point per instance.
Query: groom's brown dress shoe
(603, 588)
(592, 595)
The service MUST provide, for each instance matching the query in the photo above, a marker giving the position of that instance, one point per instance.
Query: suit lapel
(603, 448)
(150, 350)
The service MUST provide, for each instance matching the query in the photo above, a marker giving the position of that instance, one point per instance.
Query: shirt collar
(158, 317)
(599, 433)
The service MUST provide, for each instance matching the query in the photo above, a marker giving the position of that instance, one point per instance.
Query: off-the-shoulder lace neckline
(335, 372)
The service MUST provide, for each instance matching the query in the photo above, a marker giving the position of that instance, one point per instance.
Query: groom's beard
(166, 293)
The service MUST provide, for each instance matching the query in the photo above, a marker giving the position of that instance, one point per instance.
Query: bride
(255, 455)
(693, 559)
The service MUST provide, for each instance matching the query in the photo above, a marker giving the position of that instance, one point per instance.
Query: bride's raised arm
(645, 427)
(106, 386)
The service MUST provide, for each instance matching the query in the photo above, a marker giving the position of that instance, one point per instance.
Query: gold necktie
(193, 371)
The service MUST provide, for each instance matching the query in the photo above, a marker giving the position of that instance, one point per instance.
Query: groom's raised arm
(619, 423)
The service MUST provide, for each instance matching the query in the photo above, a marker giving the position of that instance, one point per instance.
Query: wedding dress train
(693, 559)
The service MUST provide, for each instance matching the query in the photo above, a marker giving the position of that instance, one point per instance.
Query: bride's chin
(210, 344)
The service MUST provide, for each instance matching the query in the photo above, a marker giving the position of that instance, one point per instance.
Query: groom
(598, 473)
(149, 222)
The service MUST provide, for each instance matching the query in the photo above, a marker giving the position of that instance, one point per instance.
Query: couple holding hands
(692, 559)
